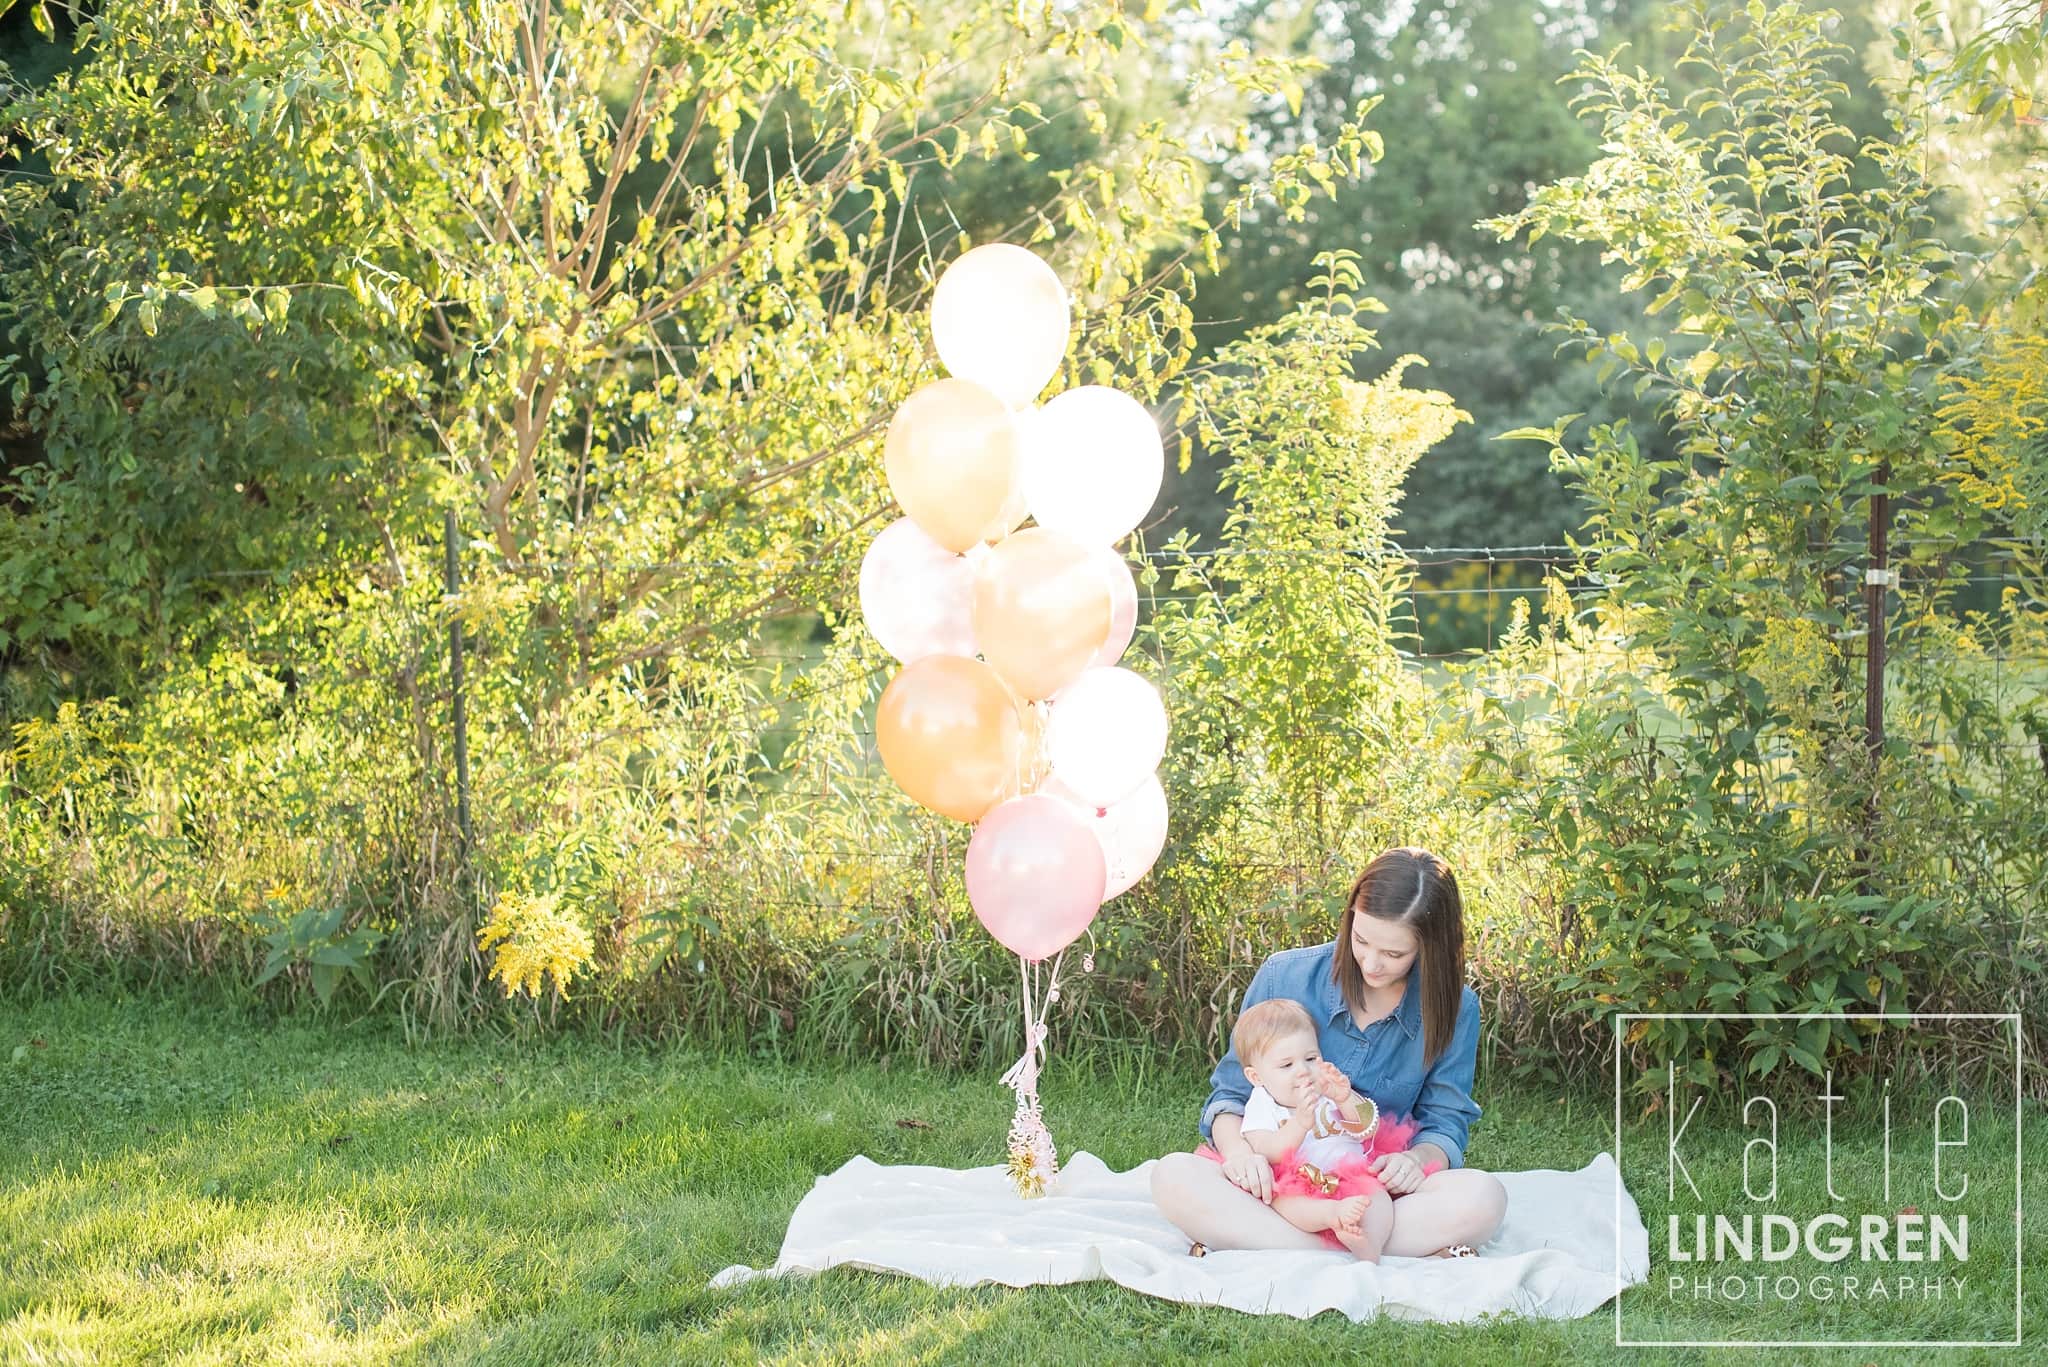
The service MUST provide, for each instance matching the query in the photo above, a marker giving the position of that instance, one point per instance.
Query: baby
(1319, 1134)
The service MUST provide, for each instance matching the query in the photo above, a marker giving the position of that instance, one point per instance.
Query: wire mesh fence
(1455, 604)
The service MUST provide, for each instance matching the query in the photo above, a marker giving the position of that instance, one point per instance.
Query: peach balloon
(1041, 610)
(951, 456)
(1000, 318)
(950, 735)
(1123, 606)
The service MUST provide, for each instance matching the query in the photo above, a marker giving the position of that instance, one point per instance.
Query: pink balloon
(1132, 832)
(1035, 875)
(916, 596)
(1123, 608)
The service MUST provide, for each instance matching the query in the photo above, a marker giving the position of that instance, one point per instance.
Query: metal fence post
(1876, 582)
(461, 712)
(1877, 578)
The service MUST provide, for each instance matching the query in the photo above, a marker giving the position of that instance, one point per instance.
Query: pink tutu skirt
(1351, 1176)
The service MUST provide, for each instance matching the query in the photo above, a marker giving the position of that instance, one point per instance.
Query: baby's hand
(1351, 1215)
(1331, 1082)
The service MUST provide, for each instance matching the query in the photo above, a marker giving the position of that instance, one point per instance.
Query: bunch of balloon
(1010, 710)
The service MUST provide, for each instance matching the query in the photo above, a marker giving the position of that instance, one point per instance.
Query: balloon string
(1034, 1159)
(1041, 745)
(1031, 747)
(1022, 1076)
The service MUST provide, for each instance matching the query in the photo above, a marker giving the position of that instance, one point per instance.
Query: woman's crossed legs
(1455, 1206)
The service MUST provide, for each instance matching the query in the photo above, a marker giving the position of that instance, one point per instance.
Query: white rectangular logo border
(2012, 1018)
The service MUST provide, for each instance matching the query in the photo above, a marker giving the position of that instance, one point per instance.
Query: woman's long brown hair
(1416, 889)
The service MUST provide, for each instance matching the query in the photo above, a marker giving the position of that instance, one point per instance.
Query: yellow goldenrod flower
(533, 936)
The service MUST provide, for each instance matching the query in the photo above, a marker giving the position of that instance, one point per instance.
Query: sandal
(1198, 1250)
(1459, 1251)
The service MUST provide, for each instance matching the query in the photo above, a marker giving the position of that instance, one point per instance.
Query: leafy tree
(1717, 797)
(619, 286)
(1475, 106)
(1299, 653)
(1301, 742)
(1979, 65)
(1469, 102)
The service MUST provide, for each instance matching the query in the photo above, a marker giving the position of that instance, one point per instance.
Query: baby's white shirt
(1326, 1144)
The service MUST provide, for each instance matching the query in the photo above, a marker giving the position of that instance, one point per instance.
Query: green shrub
(1721, 829)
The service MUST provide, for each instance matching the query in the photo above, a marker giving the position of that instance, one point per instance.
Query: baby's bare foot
(1363, 1246)
(1351, 1215)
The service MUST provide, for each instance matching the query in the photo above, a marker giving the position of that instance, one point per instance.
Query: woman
(1392, 1010)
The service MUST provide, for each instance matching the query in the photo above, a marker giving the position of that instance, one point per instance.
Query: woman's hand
(1253, 1173)
(1399, 1173)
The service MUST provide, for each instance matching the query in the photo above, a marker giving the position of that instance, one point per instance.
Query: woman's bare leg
(1456, 1206)
(1193, 1193)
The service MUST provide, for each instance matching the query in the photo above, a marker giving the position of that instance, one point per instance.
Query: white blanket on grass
(1571, 1241)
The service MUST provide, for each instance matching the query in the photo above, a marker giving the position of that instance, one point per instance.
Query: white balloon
(1000, 318)
(1093, 463)
(916, 596)
(1106, 734)
(1132, 832)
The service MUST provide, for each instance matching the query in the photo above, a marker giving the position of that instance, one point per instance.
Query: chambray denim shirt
(1383, 1061)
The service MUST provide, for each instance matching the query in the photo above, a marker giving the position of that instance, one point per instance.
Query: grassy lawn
(181, 1185)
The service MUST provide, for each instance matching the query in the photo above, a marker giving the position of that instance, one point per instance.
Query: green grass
(182, 1185)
